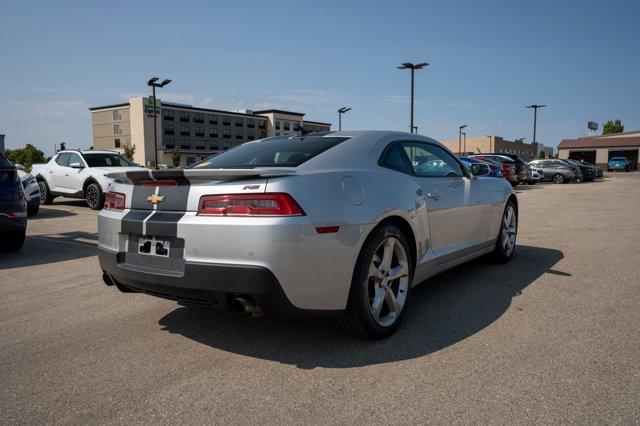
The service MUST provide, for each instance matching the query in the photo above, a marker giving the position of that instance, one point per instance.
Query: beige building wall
(490, 144)
(109, 126)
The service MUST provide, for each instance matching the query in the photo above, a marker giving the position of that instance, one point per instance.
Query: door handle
(66, 174)
(434, 195)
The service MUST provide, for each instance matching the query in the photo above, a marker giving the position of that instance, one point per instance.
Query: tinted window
(63, 159)
(107, 160)
(279, 152)
(396, 158)
(432, 161)
(75, 158)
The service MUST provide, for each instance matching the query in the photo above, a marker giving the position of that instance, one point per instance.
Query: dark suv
(523, 171)
(589, 172)
(13, 207)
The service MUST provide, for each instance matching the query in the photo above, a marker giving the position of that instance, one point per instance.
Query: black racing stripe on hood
(131, 223)
(138, 175)
(164, 224)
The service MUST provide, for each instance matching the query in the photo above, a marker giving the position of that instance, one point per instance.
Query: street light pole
(415, 129)
(152, 82)
(340, 112)
(535, 120)
(464, 135)
(460, 137)
(412, 67)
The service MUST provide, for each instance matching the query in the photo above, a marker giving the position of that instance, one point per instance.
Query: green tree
(27, 156)
(129, 150)
(542, 154)
(175, 158)
(612, 127)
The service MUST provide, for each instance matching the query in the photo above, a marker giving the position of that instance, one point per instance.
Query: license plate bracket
(152, 246)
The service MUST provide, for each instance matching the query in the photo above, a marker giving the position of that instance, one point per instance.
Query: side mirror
(20, 167)
(76, 166)
(480, 169)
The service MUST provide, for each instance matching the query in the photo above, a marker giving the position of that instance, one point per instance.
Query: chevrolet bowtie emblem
(155, 199)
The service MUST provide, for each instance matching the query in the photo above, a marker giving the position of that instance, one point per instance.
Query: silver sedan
(341, 224)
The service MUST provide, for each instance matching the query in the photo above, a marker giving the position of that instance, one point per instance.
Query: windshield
(277, 152)
(107, 159)
(618, 159)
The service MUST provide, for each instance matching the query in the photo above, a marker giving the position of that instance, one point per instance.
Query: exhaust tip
(107, 279)
(242, 306)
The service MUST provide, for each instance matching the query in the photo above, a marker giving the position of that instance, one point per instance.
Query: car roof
(88, 151)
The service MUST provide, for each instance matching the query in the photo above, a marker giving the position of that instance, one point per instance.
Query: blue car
(619, 163)
(13, 207)
(494, 169)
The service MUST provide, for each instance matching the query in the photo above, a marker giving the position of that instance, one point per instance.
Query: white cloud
(462, 104)
(400, 99)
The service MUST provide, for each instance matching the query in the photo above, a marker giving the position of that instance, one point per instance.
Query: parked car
(338, 224)
(80, 174)
(31, 190)
(522, 168)
(587, 172)
(13, 207)
(494, 169)
(536, 176)
(618, 163)
(555, 171)
(508, 166)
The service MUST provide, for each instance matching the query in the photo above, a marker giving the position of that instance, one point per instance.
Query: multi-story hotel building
(193, 132)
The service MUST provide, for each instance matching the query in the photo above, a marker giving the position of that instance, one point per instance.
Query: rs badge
(155, 199)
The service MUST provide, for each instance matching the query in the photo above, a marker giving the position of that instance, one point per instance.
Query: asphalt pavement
(552, 337)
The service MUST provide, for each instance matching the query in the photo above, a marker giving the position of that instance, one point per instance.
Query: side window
(395, 158)
(75, 158)
(63, 159)
(432, 161)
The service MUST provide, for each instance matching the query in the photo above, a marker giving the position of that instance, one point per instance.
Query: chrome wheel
(509, 229)
(93, 196)
(388, 281)
(43, 192)
(558, 178)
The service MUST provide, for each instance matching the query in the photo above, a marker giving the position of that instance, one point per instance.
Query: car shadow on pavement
(44, 249)
(447, 309)
(49, 213)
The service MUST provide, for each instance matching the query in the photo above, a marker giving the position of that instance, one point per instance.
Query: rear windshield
(618, 159)
(278, 152)
(107, 160)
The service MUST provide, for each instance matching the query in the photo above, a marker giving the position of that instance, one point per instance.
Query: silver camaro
(339, 224)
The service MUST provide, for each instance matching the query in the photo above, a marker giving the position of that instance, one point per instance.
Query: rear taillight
(270, 204)
(114, 201)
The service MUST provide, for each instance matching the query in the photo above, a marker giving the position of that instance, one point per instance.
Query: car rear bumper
(207, 284)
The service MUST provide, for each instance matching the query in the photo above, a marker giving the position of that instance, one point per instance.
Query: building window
(185, 144)
(213, 145)
(117, 129)
(286, 125)
(200, 131)
(296, 127)
(263, 134)
(213, 132)
(191, 160)
(262, 124)
(278, 133)
(278, 125)
(199, 144)
(239, 121)
(184, 117)
(239, 134)
(251, 135)
(251, 123)
(226, 134)
(117, 143)
(167, 114)
(226, 121)
(198, 117)
(213, 119)
(169, 143)
(116, 115)
(184, 131)
(227, 145)
(168, 129)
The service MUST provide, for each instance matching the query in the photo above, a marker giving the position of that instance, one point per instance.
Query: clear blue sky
(488, 60)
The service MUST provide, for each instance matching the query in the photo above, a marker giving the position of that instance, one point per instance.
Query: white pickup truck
(79, 174)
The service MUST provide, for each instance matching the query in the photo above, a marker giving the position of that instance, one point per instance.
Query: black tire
(531, 182)
(14, 242)
(500, 252)
(358, 318)
(32, 209)
(93, 196)
(45, 195)
(559, 178)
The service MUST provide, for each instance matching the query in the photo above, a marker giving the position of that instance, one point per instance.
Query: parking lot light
(152, 82)
(460, 137)
(340, 112)
(413, 68)
(535, 119)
